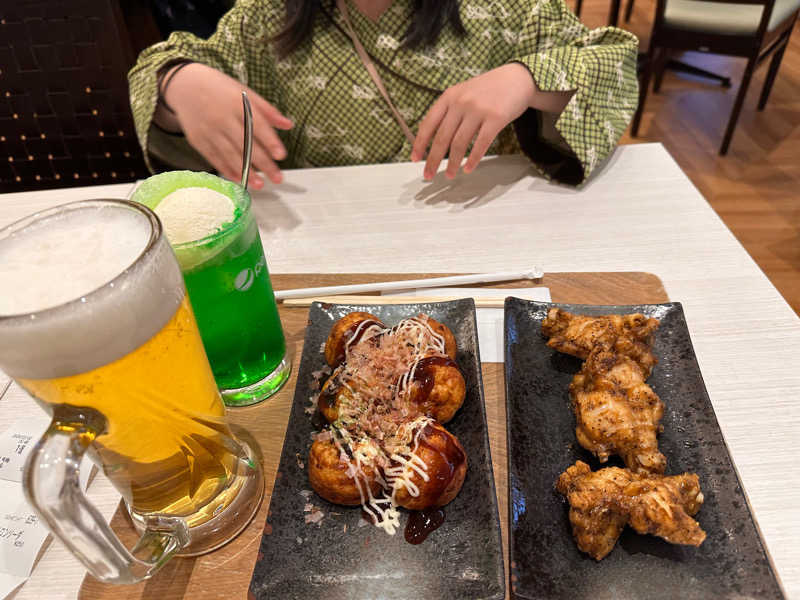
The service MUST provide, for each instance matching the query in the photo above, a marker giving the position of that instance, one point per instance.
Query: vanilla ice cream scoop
(193, 213)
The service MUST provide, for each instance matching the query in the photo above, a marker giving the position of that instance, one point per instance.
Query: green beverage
(215, 237)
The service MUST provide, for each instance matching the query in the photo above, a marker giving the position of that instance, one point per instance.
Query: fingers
(271, 114)
(458, 148)
(216, 128)
(452, 123)
(267, 146)
(428, 127)
(268, 139)
(486, 135)
(226, 157)
(263, 161)
(208, 149)
(444, 136)
(267, 149)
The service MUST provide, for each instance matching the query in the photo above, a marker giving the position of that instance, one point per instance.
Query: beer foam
(65, 265)
(192, 213)
(66, 256)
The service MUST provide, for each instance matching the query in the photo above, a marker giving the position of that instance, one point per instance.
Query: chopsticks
(384, 286)
(481, 302)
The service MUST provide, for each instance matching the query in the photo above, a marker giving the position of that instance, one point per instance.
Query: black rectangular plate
(545, 562)
(461, 559)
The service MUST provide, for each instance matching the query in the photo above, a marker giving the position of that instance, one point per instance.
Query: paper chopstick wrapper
(385, 286)
(494, 302)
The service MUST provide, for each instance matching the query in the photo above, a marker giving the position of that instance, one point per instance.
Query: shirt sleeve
(599, 65)
(240, 42)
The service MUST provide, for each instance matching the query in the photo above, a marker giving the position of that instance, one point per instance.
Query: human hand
(208, 108)
(478, 109)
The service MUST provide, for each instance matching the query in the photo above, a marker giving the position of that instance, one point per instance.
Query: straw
(385, 286)
(480, 302)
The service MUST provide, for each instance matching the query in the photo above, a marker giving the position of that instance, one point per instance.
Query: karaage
(603, 502)
(578, 335)
(616, 412)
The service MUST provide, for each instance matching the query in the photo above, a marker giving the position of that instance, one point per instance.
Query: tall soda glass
(228, 282)
(99, 330)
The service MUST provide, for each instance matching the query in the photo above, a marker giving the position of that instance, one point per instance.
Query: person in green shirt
(469, 78)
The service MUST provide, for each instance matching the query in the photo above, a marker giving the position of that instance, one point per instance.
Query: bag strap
(373, 72)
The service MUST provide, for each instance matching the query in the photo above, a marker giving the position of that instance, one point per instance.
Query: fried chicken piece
(597, 520)
(603, 502)
(638, 351)
(664, 506)
(578, 335)
(616, 412)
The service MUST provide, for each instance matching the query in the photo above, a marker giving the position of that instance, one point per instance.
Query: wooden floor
(755, 189)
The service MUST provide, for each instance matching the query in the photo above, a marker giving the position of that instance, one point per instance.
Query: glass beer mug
(95, 324)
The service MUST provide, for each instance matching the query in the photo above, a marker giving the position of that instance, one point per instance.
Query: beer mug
(95, 324)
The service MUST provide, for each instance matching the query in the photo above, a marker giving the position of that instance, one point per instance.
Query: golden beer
(102, 335)
(167, 448)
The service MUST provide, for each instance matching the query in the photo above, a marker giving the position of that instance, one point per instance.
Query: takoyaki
(450, 347)
(435, 386)
(388, 389)
(332, 395)
(431, 473)
(348, 329)
(432, 386)
(339, 477)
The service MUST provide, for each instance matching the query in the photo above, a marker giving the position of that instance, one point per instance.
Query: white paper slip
(15, 444)
(21, 532)
(9, 583)
(490, 320)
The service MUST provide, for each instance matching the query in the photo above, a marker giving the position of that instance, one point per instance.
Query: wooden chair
(628, 10)
(613, 11)
(751, 29)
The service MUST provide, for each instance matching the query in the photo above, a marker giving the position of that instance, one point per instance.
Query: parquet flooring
(755, 189)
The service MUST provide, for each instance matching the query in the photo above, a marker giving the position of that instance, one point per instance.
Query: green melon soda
(215, 237)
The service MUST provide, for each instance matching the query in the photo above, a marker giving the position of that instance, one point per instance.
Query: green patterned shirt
(340, 117)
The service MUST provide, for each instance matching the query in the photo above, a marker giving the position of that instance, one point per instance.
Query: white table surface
(640, 214)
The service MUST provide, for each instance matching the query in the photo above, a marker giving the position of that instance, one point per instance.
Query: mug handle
(52, 487)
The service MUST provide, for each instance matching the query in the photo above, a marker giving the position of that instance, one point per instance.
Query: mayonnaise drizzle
(396, 455)
(373, 329)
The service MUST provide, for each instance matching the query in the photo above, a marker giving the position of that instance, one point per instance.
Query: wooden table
(640, 214)
(229, 570)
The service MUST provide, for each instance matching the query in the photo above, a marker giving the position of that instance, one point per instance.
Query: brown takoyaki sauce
(368, 516)
(451, 457)
(391, 450)
(327, 396)
(422, 523)
(356, 331)
(352, 336)
(424, 375)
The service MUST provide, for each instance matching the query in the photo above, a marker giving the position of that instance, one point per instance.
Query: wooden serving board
(226, 572)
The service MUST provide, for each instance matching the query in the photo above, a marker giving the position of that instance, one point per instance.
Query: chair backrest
(65, 117)
(766, 13)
